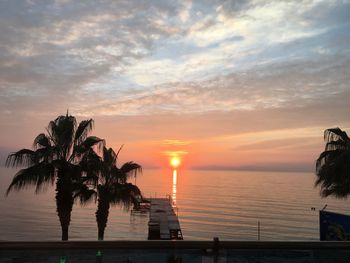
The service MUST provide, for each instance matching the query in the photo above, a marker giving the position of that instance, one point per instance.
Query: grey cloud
(331, 42)
(297, 83)
(315, 13)
(235, 7)
(54, 48)
(227, 7)
(49, 27)
(328, 13)
(46, 73)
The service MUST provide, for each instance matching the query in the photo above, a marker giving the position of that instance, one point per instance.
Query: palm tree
(333, 165)
(55, 158)
(110, 185)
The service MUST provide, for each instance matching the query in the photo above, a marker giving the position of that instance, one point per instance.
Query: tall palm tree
(333, 165)
(55, 158)
(110, 185)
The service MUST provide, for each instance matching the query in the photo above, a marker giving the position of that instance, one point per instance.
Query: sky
(220, 84)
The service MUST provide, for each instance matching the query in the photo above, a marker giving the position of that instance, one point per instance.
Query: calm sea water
(226, 204)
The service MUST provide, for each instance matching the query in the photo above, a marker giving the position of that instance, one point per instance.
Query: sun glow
(175, 162)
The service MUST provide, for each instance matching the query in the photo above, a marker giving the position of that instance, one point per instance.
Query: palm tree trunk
(64, 201)
(64, 232)
(102, 216)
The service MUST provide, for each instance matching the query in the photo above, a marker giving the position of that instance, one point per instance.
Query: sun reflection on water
(174, 187)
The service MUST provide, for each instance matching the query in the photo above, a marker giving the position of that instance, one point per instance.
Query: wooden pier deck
(163, 222)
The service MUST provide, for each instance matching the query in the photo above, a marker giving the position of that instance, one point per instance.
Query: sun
(175, 162)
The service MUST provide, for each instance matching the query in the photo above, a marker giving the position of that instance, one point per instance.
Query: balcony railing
(173, 251)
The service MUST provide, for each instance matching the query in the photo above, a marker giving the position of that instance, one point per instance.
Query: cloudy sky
(228, 84)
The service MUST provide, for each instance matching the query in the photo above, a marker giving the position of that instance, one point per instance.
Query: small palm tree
(55, 158)
(110, 185)
(333, 165)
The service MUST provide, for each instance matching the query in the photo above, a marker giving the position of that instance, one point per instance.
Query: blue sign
(334, 226)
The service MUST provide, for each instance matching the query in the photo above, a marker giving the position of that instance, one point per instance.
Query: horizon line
(278, 168)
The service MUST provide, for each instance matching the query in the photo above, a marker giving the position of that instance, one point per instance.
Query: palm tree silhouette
(110, 185)
(333, 165)
(55, 158)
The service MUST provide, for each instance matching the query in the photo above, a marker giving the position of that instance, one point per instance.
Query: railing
(215, 243)
(173, 251)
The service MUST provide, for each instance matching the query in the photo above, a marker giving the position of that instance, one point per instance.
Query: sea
(225, 204)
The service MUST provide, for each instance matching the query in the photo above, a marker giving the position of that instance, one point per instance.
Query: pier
(163, 222)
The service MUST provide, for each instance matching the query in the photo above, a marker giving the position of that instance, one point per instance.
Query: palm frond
(91, 165)
(124, 195)
(87, 145)
(333, 165)
(131, 188)
(109, 157)
(84, 194)
(62, 131)
(38, 175)
(335, 180)
(336, 145)
(131, 168)
(83, 149)
(46, 154)
(327, 157)
(120, 148)
(73, 170)
(339, 191)
(92, 141)
(22, 157)
(42, 140)
(51, 130)
(82, 131)
(335, 134)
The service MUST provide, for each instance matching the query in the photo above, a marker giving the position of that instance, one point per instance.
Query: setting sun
(175, 162)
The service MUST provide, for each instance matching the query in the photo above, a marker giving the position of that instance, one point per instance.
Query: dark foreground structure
(174, 251)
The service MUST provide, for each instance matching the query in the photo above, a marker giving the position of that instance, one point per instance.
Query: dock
(163, 222)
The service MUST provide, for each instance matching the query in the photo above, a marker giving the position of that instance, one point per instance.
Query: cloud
(188, 70)
(327, 14)
(175, 142)
(269, 167)
(53, 50)
(174, 153)
(269, 86)
(62, 37)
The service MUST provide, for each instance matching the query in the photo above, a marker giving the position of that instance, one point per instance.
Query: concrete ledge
(156, 244)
